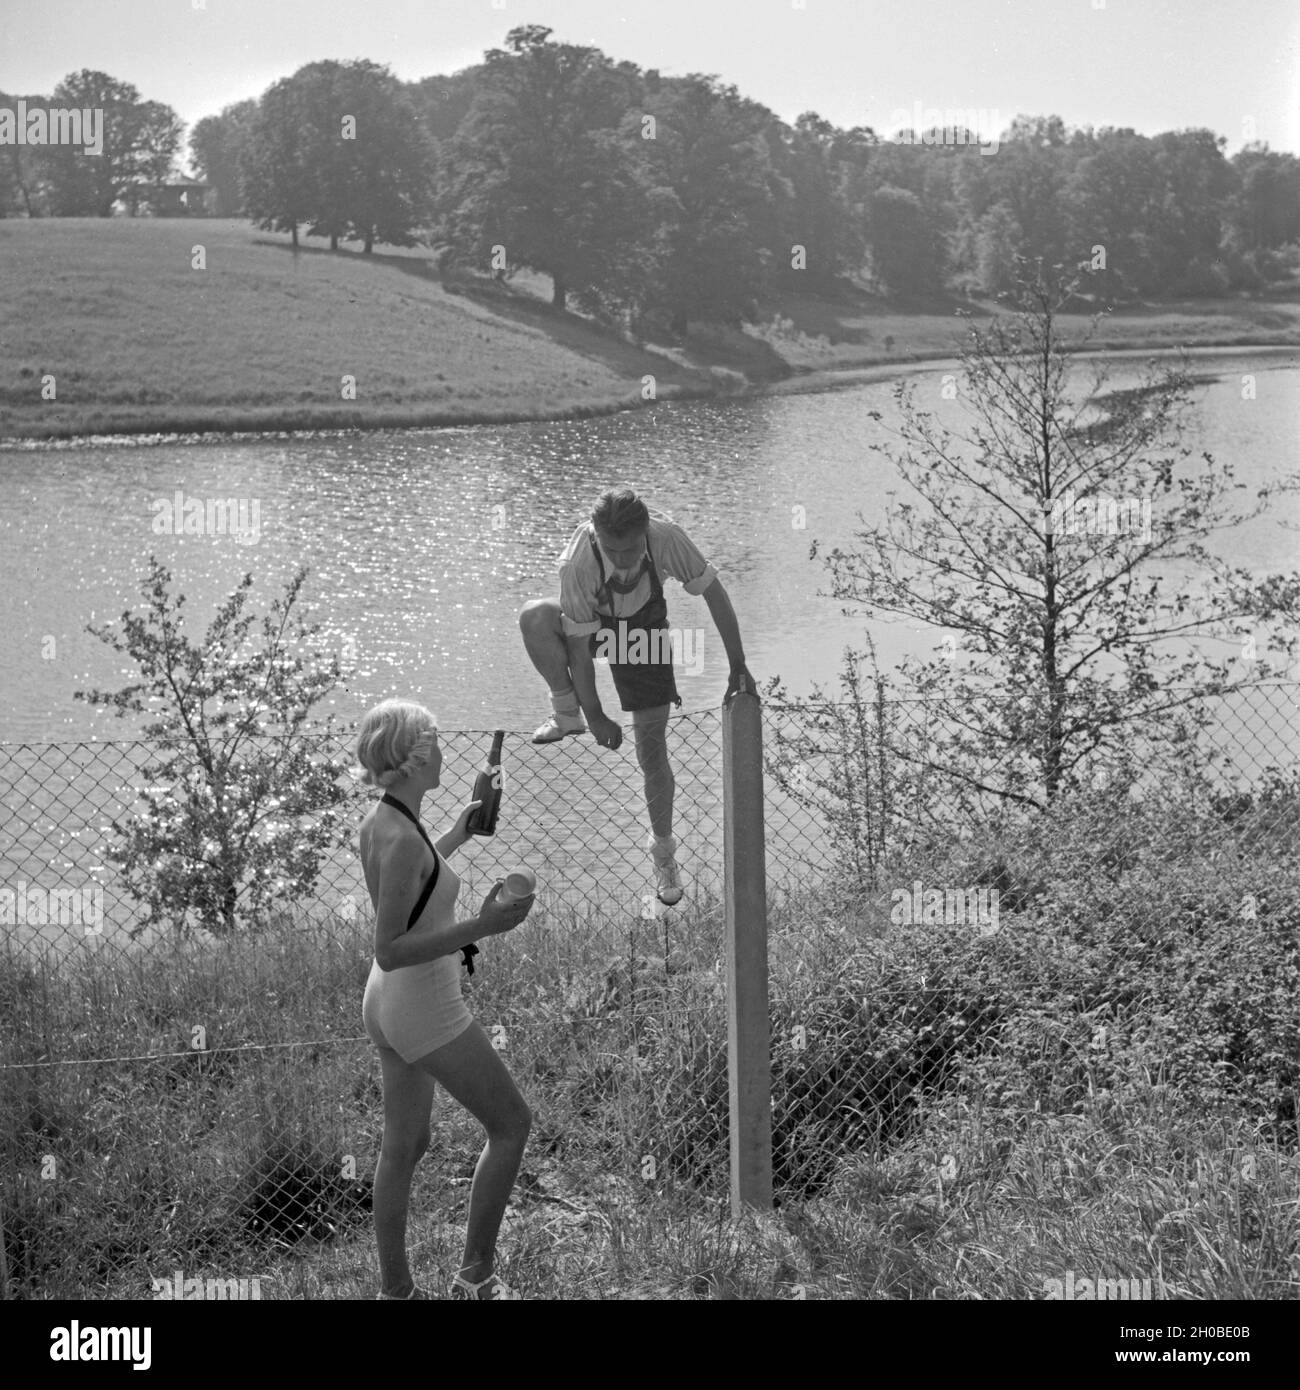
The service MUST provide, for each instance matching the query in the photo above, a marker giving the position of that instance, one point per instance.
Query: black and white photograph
(650, 653)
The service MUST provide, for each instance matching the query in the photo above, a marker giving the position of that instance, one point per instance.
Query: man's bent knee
(543, 613)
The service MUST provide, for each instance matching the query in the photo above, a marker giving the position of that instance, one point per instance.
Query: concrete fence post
(748, 1020)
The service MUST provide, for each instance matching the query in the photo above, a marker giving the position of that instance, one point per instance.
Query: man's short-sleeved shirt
(674, 554)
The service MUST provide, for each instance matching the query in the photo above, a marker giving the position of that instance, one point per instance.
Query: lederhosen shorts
(648, 683)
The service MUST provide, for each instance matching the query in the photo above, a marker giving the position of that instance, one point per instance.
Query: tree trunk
(334, 241)
(370, 240)
(559, 294)
(295, 236)
(678, 323)
(229, 897)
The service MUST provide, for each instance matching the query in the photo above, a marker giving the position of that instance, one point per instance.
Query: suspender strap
(467, 952)
(608, 587)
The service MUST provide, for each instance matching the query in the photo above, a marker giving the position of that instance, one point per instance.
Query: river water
(423, 545)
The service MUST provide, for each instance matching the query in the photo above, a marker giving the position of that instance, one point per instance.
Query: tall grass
(1105, 1085)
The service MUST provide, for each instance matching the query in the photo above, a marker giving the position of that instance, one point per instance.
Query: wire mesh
(175, 1100)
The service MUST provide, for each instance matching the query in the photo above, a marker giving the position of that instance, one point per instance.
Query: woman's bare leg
(408, 1100)
(470, 1069)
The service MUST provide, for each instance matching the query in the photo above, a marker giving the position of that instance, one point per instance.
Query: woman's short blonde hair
(395, 738)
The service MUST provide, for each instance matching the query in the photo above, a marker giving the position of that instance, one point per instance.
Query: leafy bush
(1148, 947)
(242, 808)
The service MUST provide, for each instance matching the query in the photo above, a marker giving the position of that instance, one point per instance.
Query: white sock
(565, 702)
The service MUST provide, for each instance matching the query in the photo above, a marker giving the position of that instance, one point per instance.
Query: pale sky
(1231, 65)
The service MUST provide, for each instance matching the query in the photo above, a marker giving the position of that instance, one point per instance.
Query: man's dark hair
(620, 513)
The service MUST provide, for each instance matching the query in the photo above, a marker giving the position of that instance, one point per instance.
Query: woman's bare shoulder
(387, 838)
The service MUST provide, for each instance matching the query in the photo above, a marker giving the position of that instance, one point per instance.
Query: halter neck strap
(467, 952)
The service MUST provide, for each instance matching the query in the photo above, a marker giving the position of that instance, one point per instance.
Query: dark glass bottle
(487, 789)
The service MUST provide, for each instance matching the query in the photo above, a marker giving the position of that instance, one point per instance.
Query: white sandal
(559, 726)
(461, 1288)
(668, 877)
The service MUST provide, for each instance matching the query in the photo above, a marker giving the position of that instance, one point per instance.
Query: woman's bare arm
(456, 835)
(449, 842)
(399, 887)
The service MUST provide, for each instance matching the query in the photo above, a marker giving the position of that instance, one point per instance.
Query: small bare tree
(1051, 550)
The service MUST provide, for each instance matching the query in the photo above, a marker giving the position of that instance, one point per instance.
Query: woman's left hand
(459, 828)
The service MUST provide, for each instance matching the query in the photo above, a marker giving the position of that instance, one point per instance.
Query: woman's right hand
(498, 918)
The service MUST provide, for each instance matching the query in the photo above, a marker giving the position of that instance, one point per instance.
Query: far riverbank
(112, 333)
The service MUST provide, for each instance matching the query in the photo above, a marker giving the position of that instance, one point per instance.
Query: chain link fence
(174, 1100)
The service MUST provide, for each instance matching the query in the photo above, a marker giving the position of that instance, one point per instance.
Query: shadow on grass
(567, 330)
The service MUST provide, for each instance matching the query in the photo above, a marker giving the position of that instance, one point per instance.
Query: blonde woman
(413, 1010)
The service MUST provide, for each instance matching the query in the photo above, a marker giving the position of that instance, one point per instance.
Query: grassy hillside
(139, 341)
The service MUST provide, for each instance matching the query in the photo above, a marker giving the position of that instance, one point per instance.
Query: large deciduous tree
(1264, 212)
(826, 210)
(140, 143)
(217, 145)
(341, 147)
(275, 163)
(389, 156)
(540, 169)
(24, 184)
(905, 254)
(718, 193)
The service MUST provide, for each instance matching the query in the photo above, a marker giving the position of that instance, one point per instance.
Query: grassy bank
(139, 341)
(1106, 1084)
(817, 335)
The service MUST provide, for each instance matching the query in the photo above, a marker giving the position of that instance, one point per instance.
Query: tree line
(641, 194)
(141, 142)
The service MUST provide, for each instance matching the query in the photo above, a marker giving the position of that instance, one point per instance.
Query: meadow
(138, 340)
